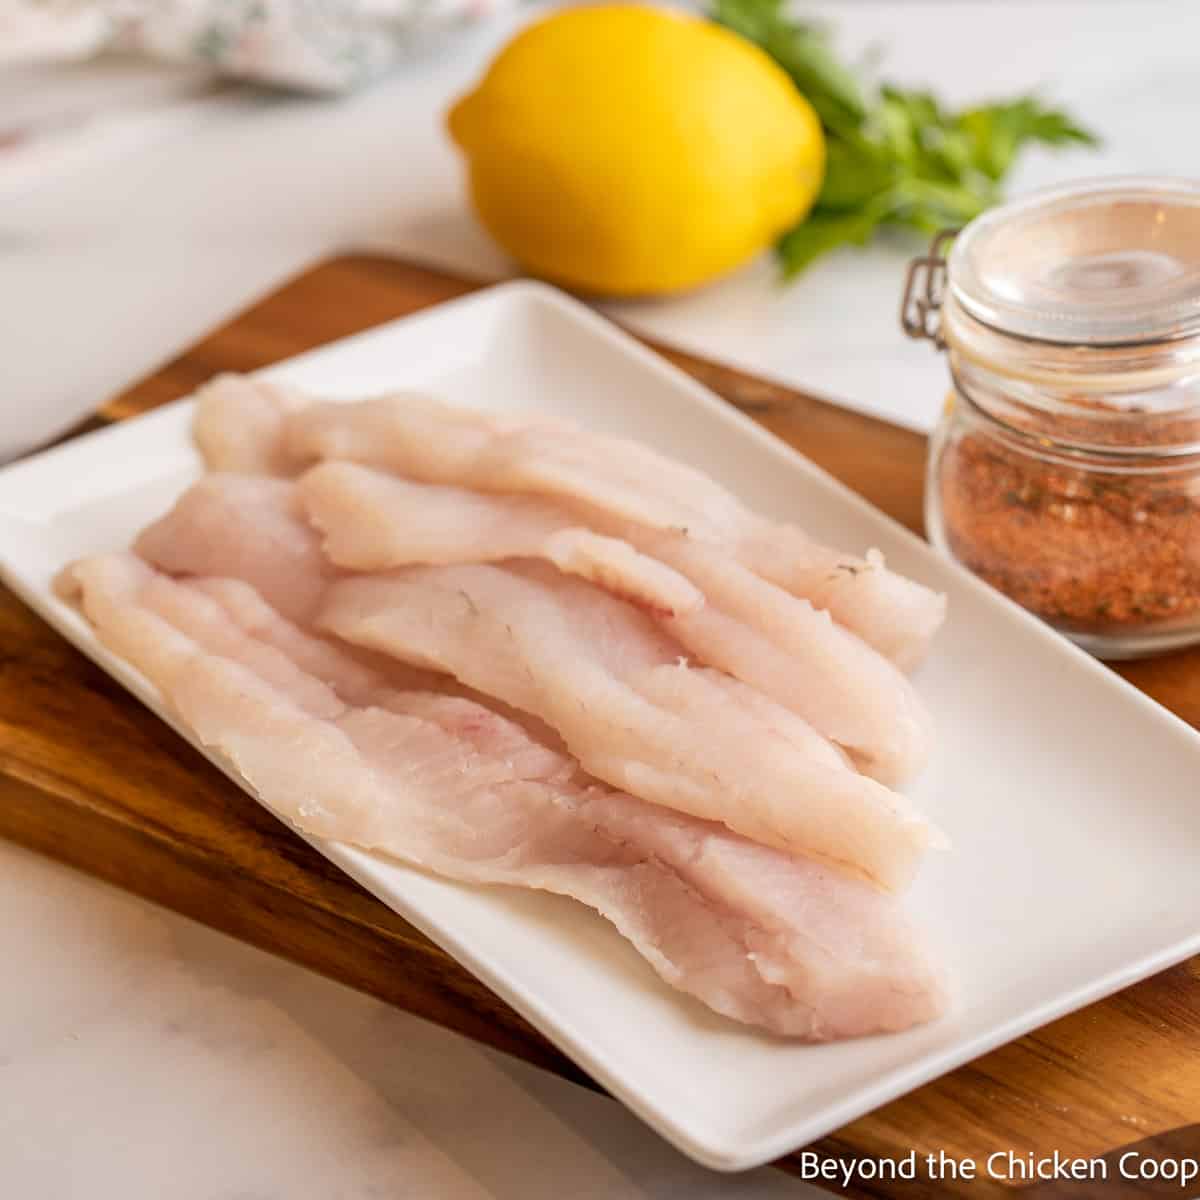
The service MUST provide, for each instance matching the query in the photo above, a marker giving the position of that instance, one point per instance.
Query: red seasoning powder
(1088, 549)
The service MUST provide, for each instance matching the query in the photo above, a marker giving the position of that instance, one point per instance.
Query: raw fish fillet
(605, 477)
(890, 612)
(766, 637)
(372, 520)
(444, 784)
(249, 527)
(253, 529)
(798, 655)
(239, 425)
(631, 709)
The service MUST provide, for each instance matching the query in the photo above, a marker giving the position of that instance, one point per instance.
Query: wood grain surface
(90, 777)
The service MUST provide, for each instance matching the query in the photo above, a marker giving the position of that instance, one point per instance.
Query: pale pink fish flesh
(628, 706)
(428, 440)
(239, 423)
(757, 632)
(253, 529)
(372, 520)
(249, 527)
(896, 615)
(783, 943)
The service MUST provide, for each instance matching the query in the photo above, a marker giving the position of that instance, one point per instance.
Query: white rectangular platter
(1070, 797)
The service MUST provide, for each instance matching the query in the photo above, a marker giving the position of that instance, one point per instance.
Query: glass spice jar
(1065, 470)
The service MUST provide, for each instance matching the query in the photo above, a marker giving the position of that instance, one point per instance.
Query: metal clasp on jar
(924, 290)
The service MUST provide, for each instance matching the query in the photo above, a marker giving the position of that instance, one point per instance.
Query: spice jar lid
(1101, 262)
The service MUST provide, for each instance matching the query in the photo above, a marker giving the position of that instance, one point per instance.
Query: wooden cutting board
(90, 777)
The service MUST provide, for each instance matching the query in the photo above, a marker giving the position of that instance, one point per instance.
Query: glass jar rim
(1122, 457)
(1088, 369)
(1098, 262)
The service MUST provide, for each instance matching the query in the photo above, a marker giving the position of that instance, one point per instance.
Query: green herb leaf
(895, 156)
(805, 53)
(820, 233)
(998, 132)
(855, 172)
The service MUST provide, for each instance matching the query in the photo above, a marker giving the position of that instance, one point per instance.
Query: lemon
(626, 150)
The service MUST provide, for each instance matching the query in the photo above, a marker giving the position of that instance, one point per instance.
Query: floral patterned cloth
(315, 45)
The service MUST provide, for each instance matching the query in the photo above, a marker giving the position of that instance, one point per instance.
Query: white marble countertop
(143, 1056)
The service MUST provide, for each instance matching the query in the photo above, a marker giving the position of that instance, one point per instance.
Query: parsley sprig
(895, 156)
